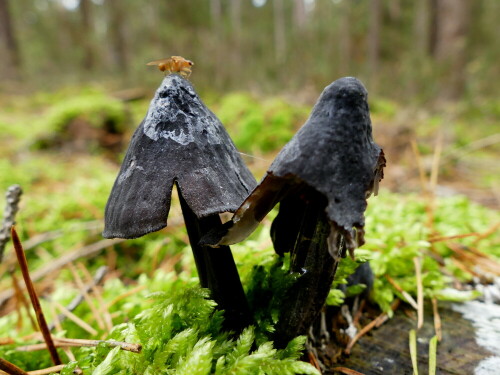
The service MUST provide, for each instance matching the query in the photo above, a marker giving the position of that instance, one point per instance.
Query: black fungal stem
(310, 259)
(217, 270)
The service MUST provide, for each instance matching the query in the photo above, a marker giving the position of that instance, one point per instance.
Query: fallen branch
(34, 298)
(12, 198)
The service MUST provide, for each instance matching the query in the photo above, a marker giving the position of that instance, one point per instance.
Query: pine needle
(125, 295)
(420, 164)
(61, 342)
(437, 319)
(405, 294)
(83, 291)
(75, 319)
(11, 368)
(375, 323)
(413, 351)
(98, 295)
(420, 292)
(433, 355)
(42, 323)
(347, 371)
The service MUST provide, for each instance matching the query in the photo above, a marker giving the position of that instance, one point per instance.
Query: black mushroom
(181, 141)
(321, 179)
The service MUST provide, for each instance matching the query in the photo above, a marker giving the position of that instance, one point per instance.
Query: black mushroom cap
(180, 140)
(333, 153)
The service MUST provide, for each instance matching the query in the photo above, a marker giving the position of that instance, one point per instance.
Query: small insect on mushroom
(174, 64)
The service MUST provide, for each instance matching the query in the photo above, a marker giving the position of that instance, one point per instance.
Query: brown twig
(420, 164)
(435, 163)
(11, 368)
(38, 239)
(420, 293)
(12, 198)
(359, 313)
(98, 295)
(83, 291)
(75, 319)
(86, 251)
(34, 298)
(48, 370)
(405, 294)
(62, 342)
(377, 322)
(437, 319)
(476, 258)
(131, 292)
(479, 236)
(99, 275)
(347, 371)
(23, 300)
(313, 360)
(454, 237)
(463, 267)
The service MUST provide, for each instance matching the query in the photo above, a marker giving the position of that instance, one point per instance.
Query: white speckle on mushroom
(128, 172)
(164, 112)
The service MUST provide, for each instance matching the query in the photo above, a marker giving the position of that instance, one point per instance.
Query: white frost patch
(488, 366)
(486, 319)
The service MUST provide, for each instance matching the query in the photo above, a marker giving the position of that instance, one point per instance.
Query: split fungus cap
(180, 140)
(333, 153)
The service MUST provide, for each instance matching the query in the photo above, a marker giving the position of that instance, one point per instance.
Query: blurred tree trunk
(452, 19)
(421, 27)
(235, 9)
(374, 38)
(433, 21)
(279, 31)
(395, 9)
(7, 34)
(235, 17)
(87, 32)
(117, 31)
(345, 43)
(216, 14)
(299, 14)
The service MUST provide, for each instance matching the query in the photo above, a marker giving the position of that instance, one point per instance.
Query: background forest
(74, 85)
(406, 50)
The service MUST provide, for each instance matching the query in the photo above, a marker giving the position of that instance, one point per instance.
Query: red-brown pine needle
(42, 323)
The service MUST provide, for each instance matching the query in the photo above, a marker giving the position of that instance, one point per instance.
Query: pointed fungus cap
(180, 140)
(334, 153)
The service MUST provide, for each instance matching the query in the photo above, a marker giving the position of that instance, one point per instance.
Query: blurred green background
(74, 82)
